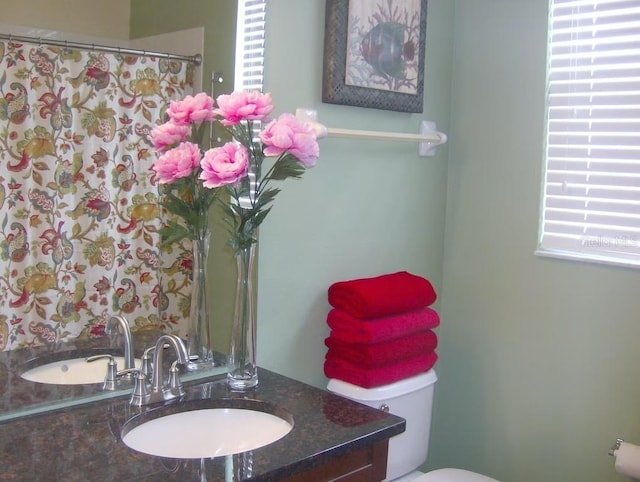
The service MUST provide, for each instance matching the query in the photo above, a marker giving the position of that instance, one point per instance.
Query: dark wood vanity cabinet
(368, 464)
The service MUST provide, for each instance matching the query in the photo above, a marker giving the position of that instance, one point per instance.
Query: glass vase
(242, 370)
(199, 337)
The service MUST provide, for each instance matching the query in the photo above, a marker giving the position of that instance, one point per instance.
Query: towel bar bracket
(616, 446)
(427, 148)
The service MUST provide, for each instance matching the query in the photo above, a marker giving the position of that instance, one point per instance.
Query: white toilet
(411, 399)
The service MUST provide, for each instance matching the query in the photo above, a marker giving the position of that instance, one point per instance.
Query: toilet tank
(411, 399)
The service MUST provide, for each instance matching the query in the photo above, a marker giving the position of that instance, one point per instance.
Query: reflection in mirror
(150, 18)
(149, 21)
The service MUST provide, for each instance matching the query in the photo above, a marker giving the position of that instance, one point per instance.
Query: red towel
(375, 377)
(382, 295)
(383, 353)
(353, 330)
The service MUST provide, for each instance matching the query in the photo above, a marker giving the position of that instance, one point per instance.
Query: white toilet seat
(453, 475)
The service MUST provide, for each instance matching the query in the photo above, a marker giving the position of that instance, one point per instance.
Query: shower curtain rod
(195, 59)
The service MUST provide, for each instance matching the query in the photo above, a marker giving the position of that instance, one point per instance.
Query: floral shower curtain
(79, 212)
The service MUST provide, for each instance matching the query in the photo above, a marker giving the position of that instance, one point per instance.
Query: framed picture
(374, 54)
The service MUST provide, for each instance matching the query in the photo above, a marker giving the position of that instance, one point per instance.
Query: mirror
(218, 17)
(148, 18)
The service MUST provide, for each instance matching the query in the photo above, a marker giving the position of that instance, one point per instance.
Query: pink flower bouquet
(292, 143)
(192, 177)
(184, 170)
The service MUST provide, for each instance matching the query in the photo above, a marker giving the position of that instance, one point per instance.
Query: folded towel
(382, 295)
(370, 355)
(375, 377)
(354, 330)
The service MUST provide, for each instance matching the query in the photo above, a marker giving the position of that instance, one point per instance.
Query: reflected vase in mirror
(199, 336)
(242, 369)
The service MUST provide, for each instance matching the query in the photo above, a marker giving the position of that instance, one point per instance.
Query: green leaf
(267, 196)
(176, 205)
(173, 232)
(259, 217)
(285, 167)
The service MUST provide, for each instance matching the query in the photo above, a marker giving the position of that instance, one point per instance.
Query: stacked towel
(381, 329)
(374, 377)
(373, 330)
(388, 294)
(384, 352)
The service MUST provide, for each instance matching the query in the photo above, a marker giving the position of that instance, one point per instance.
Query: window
(249, 73)
(591, 192)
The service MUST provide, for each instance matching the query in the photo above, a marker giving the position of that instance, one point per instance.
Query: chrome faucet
(158, 391)
(111, 328)
(172, 389)
(161, 391)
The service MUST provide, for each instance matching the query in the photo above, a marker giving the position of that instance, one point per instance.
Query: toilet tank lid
(392, 390)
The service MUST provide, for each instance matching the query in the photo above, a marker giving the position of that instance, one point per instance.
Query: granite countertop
(83, 442)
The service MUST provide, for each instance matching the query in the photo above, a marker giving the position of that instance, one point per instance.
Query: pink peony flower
(191, 109)
(168, 135)
(177, 163)
(242, 105)
(224, 165)
(287, 134)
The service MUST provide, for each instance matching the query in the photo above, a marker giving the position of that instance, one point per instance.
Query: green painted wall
(367, 208)
(218, 17)
(94, 18)
(539, 357)
(538, 367)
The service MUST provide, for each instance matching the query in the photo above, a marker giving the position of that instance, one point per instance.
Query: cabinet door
(368, 464)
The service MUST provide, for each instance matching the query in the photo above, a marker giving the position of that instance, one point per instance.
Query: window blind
(591, 192)
(249, 74)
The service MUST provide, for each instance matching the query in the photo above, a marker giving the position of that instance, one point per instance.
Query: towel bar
(429, 138)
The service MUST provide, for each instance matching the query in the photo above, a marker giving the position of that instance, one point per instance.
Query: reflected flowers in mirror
(184, 167)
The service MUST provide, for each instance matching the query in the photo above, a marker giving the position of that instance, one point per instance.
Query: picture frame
(375, 57)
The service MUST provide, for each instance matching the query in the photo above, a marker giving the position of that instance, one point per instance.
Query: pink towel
(382, 295)
(375, 377)
(385, 352)
(354, 330)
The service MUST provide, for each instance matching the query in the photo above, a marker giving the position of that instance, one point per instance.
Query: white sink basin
(75, 371)
(206, 432)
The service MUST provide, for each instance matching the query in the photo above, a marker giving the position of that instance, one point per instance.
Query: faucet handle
(140, 394)
(110, 379)
(174, 379)
(147, 365)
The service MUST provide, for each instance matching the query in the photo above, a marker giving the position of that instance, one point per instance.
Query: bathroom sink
(73, 371)
(206, 428)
